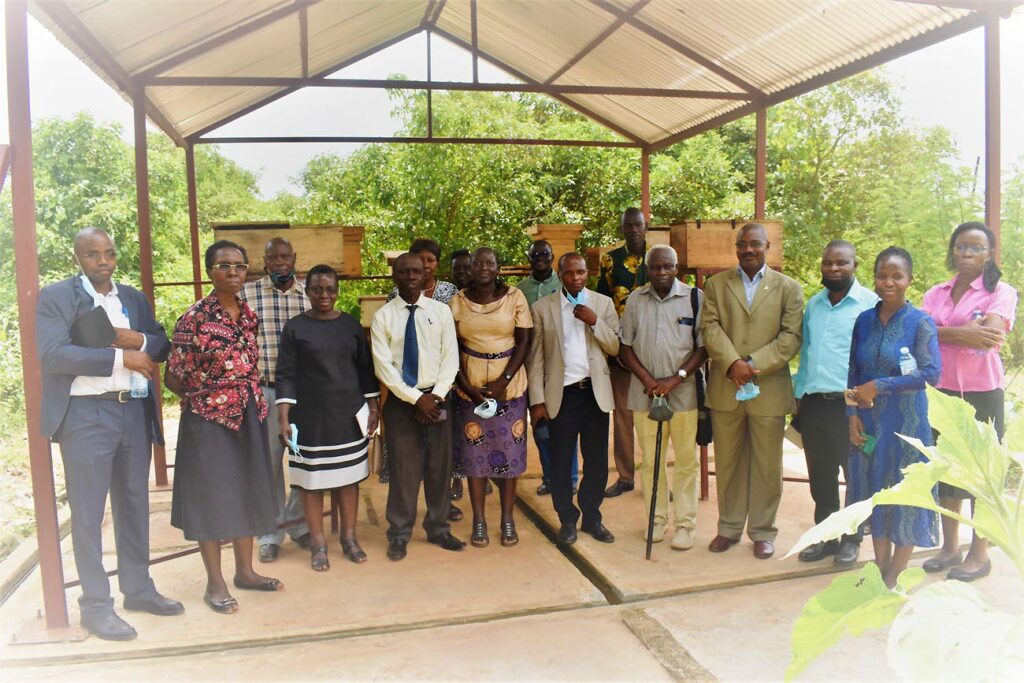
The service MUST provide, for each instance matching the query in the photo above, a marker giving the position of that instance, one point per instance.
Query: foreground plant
(945, 630)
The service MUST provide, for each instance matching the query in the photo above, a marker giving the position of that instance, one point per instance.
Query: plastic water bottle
(978, 314)
(907, 363)
(138, 385)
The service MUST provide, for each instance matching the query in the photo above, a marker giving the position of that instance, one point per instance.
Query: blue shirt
(750, 284)
(828, 329)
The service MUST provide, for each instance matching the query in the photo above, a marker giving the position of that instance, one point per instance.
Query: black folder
(93, 329)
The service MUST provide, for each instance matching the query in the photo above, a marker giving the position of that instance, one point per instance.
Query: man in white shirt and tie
(416, 354)
(575, 330)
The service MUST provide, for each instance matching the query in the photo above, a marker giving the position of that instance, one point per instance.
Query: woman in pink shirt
(973, 312)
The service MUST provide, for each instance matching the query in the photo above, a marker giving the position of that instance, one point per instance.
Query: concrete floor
(532, 612)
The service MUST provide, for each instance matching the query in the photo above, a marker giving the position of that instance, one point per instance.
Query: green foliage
(946, 625)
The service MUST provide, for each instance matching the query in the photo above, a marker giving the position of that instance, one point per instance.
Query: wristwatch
(682, 373)
(508, 377)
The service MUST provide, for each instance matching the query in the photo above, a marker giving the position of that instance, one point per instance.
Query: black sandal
(350, 547)
(267, 586)
(455, 514)
(226, 606)
(509, 537)
(479, 537)
(318, 559)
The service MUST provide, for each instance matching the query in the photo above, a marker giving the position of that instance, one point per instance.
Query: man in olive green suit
(751, 328)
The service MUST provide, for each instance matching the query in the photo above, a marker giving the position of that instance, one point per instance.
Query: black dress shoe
(108, 626)
(846, 554)
(958, 573)
(600, 533)
(618, 488)
(447, 541)
(567, 534)
(396, 549)
(818, 551)
(158, 605)
(269, 552)
(543, 489)
(934, 564)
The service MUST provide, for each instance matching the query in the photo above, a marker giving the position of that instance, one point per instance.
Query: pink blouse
(965, 369)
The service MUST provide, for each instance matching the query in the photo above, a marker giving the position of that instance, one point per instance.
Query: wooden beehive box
(712, 244)
(339, 246)
(368, 305)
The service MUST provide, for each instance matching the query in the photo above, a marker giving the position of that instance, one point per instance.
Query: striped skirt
(318, 468)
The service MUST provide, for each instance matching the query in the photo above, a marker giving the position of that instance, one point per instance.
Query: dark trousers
(826, 437)
(544, 451)
(625, 444)
(417, 453)
(105, 447)
(579, 418)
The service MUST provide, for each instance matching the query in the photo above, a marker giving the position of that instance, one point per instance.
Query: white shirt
(435, 337)
(750, 284)
(574, 343)
(120, 378)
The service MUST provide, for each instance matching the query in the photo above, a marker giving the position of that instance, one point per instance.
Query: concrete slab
(431, 586)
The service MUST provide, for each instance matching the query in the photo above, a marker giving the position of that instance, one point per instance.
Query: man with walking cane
(662, 352)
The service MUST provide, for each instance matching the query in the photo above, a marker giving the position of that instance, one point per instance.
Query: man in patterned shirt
(276, 298)
(622, 271)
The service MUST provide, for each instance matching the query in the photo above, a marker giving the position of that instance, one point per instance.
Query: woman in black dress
(326, 388)
(223, 476)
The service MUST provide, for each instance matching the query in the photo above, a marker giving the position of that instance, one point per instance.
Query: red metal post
(645, 184)
(993, 209)
(146, 252)
(26, 265)
(193, 219)
(761, 163)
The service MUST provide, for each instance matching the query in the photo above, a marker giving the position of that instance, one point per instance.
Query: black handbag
(704, 434)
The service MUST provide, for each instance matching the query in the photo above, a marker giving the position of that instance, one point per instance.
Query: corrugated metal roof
(766, 49)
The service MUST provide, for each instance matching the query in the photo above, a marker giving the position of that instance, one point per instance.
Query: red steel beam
(26, 267)
(671, 42)
(760, 162)
(193, 219)
(146, 254)
(224, 38)
(954, 28)
(360, 139)
(993, 168)
(600, 38)
(645, 184)
(395, 84)
(5, 164)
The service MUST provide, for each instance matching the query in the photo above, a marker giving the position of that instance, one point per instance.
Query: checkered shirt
(273, 309)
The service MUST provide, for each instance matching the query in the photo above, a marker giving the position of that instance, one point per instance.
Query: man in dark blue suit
(98, 405)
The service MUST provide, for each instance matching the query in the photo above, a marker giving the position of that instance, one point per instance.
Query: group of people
(269, 371)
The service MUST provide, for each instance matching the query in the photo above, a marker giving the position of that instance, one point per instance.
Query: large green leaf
(970, 448)
(916, 487)
(1014, 440)
(852, 603)
(841, 522)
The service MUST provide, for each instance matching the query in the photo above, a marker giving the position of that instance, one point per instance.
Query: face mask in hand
(748, 391)
(487, 409)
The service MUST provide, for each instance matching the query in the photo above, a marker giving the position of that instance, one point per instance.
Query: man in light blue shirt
(750, 283)
(819, 385)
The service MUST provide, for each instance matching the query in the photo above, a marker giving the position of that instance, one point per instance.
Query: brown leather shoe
(763, 549)
(720, 543)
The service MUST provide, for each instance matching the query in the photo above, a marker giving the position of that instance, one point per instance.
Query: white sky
(942, 85)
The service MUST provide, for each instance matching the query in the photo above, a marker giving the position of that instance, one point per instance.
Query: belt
(428, 390)
(831, 395)
(119, 396)
(582, 384)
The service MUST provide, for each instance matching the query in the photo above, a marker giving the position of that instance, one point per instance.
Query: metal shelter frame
(17, 157)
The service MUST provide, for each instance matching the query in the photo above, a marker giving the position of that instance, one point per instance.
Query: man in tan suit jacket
(751, 329)
(575, 330)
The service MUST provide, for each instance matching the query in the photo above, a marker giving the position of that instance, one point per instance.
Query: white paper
(363, 418)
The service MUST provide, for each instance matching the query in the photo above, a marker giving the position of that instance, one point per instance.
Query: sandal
(456, 492)
(455, 514)
(318, 559)
(479, 537)
(226, 606)
(267, 586)
(350, 547)
(509, 537)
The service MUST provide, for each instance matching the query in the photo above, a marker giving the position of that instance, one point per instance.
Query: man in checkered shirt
(276, 298)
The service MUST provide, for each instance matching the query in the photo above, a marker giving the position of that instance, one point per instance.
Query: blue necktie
(411, 350)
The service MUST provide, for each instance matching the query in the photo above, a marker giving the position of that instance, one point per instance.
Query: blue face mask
(281, 279)
(579, 300)
(487, 409)
(748, 391)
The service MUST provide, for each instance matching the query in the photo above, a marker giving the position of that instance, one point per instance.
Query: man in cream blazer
(575, 330)
(751, 328)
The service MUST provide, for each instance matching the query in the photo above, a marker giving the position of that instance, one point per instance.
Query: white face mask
(487, 409)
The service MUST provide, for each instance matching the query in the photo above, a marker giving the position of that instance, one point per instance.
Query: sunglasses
(228, 267)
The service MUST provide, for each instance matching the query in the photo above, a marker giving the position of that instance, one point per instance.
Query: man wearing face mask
(276, 298)
(819, 385)
(100, 345)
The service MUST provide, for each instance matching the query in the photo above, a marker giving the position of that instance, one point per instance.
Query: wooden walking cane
(661, 414)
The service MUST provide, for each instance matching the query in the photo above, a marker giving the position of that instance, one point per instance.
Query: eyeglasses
(972, 249)
(320, 291)
(541, 255)
(752, 245)
(228, 267)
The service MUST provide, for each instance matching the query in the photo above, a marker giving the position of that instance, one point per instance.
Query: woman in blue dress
(890, 402)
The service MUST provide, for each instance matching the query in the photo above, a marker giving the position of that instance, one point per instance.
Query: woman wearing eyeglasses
(223, 475)
(973, 312)
(324, 379)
